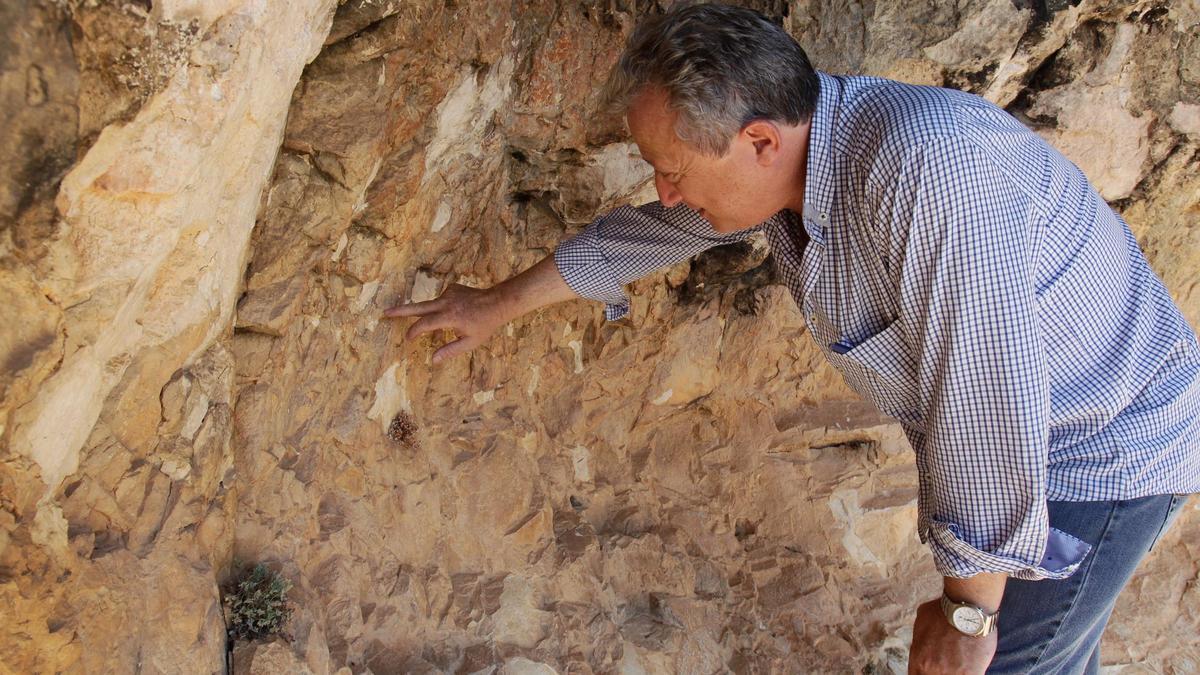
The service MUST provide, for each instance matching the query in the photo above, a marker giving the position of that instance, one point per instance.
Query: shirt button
(824, 217)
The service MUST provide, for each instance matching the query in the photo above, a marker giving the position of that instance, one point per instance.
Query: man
(960, 273)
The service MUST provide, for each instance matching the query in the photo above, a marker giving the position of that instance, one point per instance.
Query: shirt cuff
(954, 557)
(590, 274)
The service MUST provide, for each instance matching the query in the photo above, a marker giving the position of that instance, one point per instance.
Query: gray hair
(720, 67)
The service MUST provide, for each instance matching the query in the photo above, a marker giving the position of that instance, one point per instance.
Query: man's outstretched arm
(617, 248)
(475, 314)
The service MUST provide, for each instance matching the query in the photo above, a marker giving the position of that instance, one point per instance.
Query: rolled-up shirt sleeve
(629, 243)
(969, 304)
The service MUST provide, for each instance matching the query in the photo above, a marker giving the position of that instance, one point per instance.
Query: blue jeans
(1054, 626)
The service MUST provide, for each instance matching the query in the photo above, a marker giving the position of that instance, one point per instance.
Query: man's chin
(725, 227)
(718, 224)
(721, 224)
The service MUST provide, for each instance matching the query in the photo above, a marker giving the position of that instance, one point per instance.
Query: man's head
(715, 97)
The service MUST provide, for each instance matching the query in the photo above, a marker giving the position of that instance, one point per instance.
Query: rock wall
(141, 142)
(200, 371)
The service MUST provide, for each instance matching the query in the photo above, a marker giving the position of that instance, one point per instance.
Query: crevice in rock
(740, 269)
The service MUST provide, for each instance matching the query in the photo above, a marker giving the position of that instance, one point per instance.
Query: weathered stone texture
(125, 270)
(670, 504)
(201, 370)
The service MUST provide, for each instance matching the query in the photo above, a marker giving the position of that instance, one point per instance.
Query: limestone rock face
(207, 206)
(142, 142)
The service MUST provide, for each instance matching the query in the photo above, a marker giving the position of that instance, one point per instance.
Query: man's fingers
(459, 346)
(427, 324)
(451, 311)
(413, 308)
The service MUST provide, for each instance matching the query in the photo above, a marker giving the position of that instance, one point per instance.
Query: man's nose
(667, 194)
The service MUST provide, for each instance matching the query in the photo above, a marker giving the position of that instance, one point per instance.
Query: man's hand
(938, 648)
(473, 314)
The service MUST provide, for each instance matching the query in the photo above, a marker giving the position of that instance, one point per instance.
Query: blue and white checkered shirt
(967, 279)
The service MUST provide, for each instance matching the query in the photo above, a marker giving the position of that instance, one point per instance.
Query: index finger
(412, 309)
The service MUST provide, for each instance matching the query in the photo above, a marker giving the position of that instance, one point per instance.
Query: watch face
(968, 620)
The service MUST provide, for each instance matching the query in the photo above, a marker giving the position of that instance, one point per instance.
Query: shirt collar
(818, 181)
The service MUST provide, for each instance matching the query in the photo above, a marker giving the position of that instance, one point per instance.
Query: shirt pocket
(882, 369)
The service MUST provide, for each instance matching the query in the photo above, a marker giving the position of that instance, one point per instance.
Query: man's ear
(765, 137)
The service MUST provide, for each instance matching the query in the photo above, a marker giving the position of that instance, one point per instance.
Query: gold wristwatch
(969, 619)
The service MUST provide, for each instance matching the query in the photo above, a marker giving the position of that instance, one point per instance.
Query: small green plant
(258, 604)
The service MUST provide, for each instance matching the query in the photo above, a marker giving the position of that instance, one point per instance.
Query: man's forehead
(650, 156)
(652, 124)
(651, 95)
(650, 113)
(662, 160)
